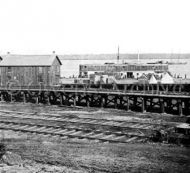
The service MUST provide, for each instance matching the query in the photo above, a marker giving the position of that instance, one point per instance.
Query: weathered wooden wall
(31, 76)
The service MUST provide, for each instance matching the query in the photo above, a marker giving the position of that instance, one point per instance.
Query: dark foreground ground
(52, 154)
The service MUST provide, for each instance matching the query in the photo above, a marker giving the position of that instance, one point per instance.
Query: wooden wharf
(167, 98)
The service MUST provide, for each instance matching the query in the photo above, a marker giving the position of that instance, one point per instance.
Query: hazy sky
(94, 26)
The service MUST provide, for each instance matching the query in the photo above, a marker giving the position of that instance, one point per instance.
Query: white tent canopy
(153, 80)
(167, 79)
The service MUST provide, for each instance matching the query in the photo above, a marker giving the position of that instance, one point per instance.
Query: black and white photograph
(94, 86)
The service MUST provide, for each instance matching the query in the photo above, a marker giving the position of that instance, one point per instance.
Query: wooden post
(125, 88)
(74, 100)
(37, 99)
(162, 106)
(48, 100)
(11, 97)
(101, 102)
(115, 102)
(2, 99)
(100, 86)
(179, 88)
(128, 103)
(137, 87)
(143, 108)
(186, 107)
(61, 99)
(180, 108)
(157, 88)
(105, 100)
(24, 97)
(78, 100)
(135, 102)
(66, 100)
(87, 101)
(121, 101)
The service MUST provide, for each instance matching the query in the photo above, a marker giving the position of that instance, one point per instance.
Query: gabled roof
(28, 60)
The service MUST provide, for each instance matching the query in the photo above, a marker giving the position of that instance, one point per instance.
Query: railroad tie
(92, 121)
(51, 130)
(68, 132)
(51, 118)
(64, 137)
(143, 126)
(87, 134)
(108, 136)
(149, 127)
(99, 136)
(23, 127)
(119, 123)
(108, 123)
(131, 139)
(134, 126)
(74, 120)
(13, 126)
(119, 138)
(46, 130)
(64, 119)
(75, 133)
(42, 129)
(61, 131)
(4, 126)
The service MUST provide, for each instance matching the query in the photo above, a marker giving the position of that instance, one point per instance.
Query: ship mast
(118, 55)
(138, 57)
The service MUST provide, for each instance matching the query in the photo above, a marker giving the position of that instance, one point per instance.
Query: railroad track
(72, 127)
(89, 121)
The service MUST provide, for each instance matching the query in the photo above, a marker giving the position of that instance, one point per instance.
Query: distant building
(30, 70)
(123, 70)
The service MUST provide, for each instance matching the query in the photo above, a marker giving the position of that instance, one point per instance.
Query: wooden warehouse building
(30, 70)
